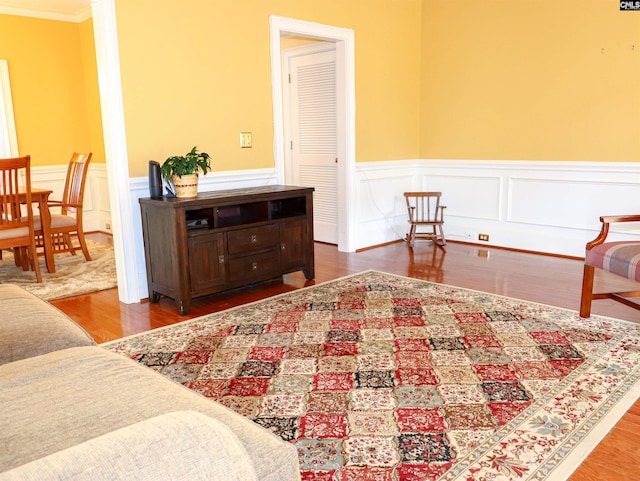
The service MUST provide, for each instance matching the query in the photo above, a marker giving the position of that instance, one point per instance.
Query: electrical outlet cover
(245, 140)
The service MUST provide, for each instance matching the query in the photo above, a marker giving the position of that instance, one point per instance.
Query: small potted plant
(181, 171)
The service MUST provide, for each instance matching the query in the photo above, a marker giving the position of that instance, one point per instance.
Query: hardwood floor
(538, 278)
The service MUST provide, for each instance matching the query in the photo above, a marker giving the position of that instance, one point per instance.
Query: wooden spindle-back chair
(424, 210)
(16, 229)
(69, 221)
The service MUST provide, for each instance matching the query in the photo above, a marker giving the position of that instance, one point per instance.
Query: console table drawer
(256, 267)
(244, 241)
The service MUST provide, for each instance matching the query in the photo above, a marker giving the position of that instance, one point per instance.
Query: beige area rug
(73, 274)
(377, 377)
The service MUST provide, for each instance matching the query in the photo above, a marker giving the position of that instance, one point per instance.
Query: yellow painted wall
(49, 84)
(198, 72)
(530, 80)
(497, 79)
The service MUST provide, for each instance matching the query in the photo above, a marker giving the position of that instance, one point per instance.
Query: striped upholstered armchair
(621, 258)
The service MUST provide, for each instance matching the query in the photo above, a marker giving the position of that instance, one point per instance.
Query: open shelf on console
(245, 213)
(291, 207)
(240, 214)
(199, 219)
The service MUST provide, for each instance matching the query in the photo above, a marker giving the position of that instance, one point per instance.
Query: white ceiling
(65, 10)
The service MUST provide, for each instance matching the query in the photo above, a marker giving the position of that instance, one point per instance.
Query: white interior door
(313, 132)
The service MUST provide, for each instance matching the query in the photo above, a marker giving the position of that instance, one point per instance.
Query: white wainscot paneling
(473, 196)
(96, 211)
(236, 179)
(50, 177)
(101, 214)
(551, 207)
(139, 189)
(565, 203)
(382, 211)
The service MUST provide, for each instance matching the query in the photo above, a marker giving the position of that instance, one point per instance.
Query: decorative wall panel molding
(551, 207)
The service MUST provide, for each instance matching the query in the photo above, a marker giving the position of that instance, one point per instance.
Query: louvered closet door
(314, 137)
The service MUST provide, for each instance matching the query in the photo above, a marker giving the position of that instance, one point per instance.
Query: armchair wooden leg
(411, 235)
(83, 245)
(17, 258)
(442, 241)
(23, 257)
(68, 243)
(33, 260)
(587, 291)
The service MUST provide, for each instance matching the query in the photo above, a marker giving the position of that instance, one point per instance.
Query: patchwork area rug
(73, 276)
(377, 377)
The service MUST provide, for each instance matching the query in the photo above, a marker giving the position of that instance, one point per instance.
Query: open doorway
(343, 39)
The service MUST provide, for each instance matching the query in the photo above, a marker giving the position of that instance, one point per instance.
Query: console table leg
(183, 307)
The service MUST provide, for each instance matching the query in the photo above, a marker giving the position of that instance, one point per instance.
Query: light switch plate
(245, 140)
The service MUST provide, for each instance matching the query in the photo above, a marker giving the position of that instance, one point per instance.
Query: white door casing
(345, 70)
(8, 137)
(128, 258)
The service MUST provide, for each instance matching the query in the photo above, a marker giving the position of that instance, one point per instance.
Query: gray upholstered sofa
(71, 410)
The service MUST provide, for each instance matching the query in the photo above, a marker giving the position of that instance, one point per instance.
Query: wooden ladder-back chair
(425, 211)
(64, 225)
(17, 230)
(621, 258)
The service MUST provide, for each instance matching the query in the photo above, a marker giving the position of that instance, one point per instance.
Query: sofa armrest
(183, 445)
(30, 326)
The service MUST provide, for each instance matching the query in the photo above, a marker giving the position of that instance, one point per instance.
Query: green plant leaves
(191, 163)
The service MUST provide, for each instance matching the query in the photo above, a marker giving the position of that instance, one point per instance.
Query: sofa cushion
(67, 397)
(184, 445)
(30, 326)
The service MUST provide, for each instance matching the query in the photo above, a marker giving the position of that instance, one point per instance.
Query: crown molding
(80, 15)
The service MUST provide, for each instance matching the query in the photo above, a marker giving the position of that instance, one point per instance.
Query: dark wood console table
(226, 239)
